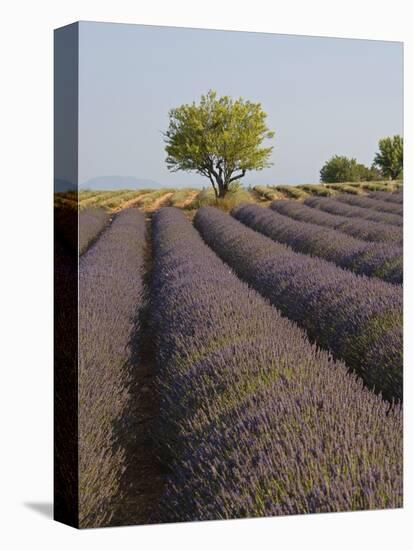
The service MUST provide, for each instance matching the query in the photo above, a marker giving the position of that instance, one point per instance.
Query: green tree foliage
(390, 157)
(364, 173)
(341, 169)
(219, 138)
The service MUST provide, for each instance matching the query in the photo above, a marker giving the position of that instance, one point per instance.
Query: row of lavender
(372, 203)
(337, 207)
(358, 318)
(92, 221)
(110, 297)
(366, 230)
(396, 197)
(372, 259)
(254, 420)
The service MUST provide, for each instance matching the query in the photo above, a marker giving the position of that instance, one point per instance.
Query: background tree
(364, 173)
(219, 138)
(390, 157)
(340, 169)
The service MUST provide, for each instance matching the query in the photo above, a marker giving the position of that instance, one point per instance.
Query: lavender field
(241, 363)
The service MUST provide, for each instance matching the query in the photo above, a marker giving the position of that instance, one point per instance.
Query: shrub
(353, 189)
(343, 312)
(254, 420)
(206, 197)
(291, 191)
(266, 192)
(110, 298)
(318, 190)
(374, 186)
(373, 204)
(374, 259)
(336, 207)
(396, 197)
(361, 229)
(92, 221)
(233, 199)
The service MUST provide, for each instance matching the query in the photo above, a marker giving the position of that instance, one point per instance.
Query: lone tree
(390, 157)
(219, 138)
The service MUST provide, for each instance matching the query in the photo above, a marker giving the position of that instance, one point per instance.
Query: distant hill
(105, 183)
(62, 186)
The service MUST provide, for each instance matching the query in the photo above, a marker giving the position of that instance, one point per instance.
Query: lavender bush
(92, 221)
(396, 197)
(65, 225)
(65, 378)
(374, 259)
(371, 203)
(350, 315)
(338, 208)
(360, 229)
(110, 297)
(254, 420)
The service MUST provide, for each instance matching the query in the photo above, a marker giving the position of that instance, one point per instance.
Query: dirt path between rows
(158, 203)
(129, 204)
(188, 200)
(143, 479)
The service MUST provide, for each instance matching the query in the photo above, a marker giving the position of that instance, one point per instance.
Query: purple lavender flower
(341, 311)
(374, 259)
(371, 203)
(254, 420)
(110, 298)
(358, 228)
(92, 221)
(350, 211)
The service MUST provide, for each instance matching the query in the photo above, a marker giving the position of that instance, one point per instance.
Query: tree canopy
(219, 138)
(340, 169)
(389, 159)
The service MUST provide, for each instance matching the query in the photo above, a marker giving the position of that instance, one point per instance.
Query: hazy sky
(323, 96)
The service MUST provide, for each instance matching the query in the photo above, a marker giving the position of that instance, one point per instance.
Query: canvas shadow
(43, 508)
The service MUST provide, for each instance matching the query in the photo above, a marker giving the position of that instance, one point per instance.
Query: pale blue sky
(323, 96)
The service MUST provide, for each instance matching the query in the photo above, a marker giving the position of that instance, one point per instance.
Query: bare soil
(159, 202)
(129, 204)
(143, 479)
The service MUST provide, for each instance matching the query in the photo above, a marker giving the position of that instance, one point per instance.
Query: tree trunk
(220, 185)
(222, 191)
(222, 188)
